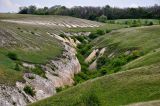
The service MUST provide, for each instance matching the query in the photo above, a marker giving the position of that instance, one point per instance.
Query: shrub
(101, 61)
(90, 99)
(100, 32)
(37, 70)
(103, 71)
(117, 62)
(85, 49)
(146, 22)
(108, 31)
(93, 36)
(150, 23)
(81, 39)
(62, 35)
(102, 18)
(31, 77)
(59, 89)
(12, 56)
(29, 90)
(32, 33)
(18, 28)
(17, 67)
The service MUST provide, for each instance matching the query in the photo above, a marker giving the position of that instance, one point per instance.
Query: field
(137, 81)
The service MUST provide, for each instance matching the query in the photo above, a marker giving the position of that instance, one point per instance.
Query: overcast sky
(13, 5)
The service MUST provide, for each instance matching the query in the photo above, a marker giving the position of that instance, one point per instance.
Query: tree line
(96, 13)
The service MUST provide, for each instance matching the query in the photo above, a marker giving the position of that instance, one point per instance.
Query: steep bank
(59, 73)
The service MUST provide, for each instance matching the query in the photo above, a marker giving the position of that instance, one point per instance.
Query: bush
(12, 56)
(37, 70)
(100, 32)
(102, 61)
(85, 49)
(32, 33)
(62, 35)
(103, 71)
(59, 89)
(108, 31)
(150, 23)
(17, 67)
(29, 90)
(90, 99)
(81, 39)
(117, 62)
(102, 18)
(93, 36)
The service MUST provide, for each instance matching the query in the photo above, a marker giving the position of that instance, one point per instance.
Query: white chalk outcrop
(59, 73)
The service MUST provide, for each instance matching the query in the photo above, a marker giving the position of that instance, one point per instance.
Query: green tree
(102, 18)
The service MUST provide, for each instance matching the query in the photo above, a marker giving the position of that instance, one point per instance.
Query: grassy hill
(136, 85)
(137, 81)
(26, 38)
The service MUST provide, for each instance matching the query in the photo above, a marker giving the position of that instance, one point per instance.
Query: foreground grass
(140, 84)
(137, 81)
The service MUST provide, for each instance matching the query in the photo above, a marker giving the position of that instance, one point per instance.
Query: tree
(31, 9)
(102, 18)
(23, 10)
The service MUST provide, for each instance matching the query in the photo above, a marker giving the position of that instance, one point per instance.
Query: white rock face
(64, 68)
(11, 96)
(91, 56)
(93, 65)
(59, 72)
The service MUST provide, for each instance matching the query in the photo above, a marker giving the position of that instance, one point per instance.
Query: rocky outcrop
(59, 73)
(12, 96)
(93, 65)
(77, 34)
(91, 56)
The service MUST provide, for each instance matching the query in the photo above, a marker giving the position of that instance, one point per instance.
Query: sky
(13, 5)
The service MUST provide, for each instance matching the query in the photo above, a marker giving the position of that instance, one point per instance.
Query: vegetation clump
(12, 56)
(29, 90)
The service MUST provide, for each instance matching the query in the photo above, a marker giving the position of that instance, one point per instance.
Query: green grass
(143, 21)
(143, 38)
(104, 27)
(26, 49)
(137, 81)
(33, 44)
(139, 84)
(148, 59)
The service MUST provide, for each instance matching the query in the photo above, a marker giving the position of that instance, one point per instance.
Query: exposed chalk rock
(93, 66)
(91, 56)
(11, 96)
(59, 72)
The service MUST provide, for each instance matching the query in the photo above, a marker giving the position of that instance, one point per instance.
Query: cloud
(133, 5)
(8, 4)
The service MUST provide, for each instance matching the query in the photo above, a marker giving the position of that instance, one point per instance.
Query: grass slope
(140, 84)
(31, 43)
(139, 80)
(143, 38)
